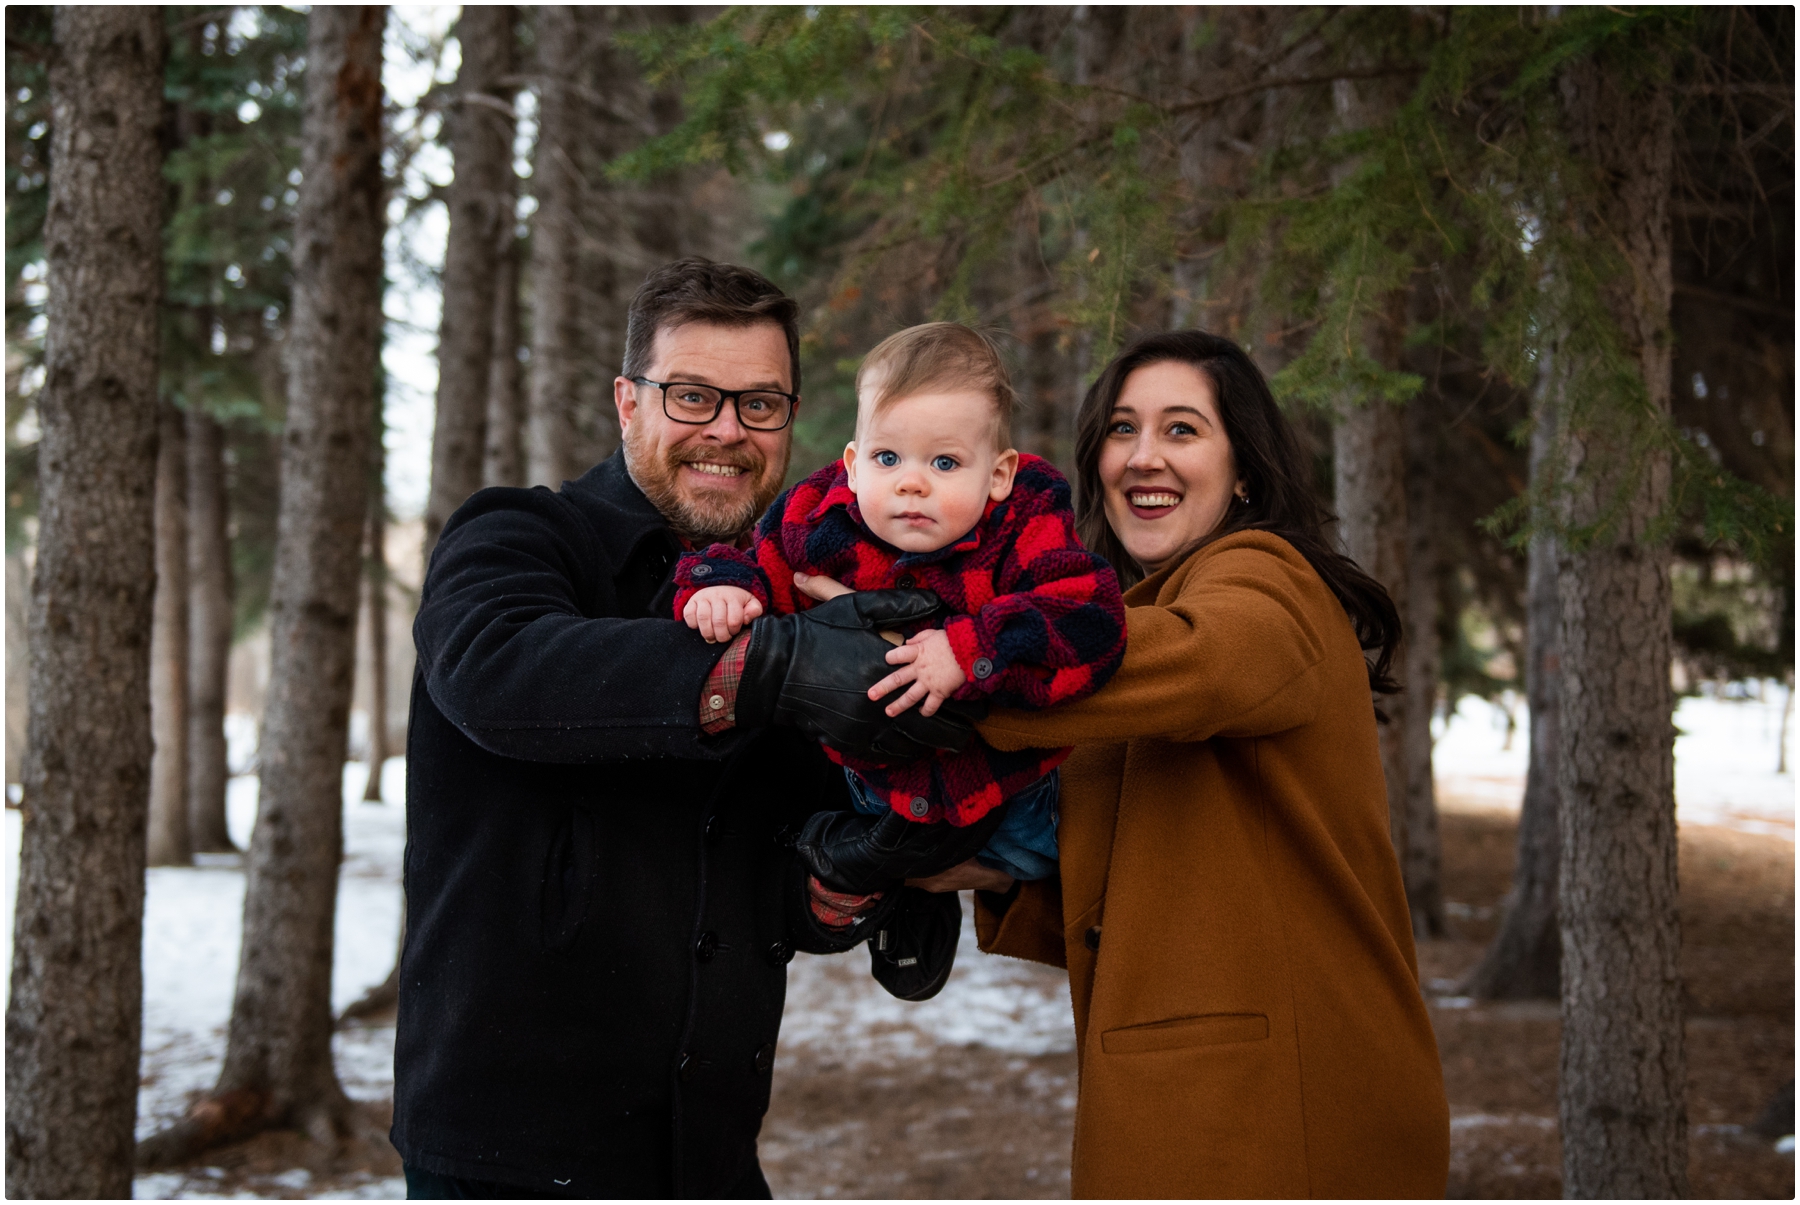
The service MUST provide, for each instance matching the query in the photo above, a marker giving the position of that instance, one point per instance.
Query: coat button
(707, 946)
(765, 1057)
(687, 1066)
(702, 570)
(781, 952)
(906, 581)
(983, 668)
(919, 806)
(1091, 939)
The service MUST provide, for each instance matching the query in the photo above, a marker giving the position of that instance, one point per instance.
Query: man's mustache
(735, 457)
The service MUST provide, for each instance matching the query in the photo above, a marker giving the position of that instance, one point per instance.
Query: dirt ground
(974, 1123)
(900, 1114)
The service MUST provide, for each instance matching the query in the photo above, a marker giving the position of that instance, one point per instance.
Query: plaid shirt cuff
(718, 697)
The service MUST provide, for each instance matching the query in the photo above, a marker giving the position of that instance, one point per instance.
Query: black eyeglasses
(697, 405)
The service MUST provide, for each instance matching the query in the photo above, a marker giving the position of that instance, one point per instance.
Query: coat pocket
(568, 887)
(1216, 1029)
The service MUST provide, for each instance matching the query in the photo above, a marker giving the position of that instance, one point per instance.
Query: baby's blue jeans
(1024, 846)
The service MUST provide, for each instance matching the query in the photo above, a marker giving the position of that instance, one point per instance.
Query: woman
(1229, 909)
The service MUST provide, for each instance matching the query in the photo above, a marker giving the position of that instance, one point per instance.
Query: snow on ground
(1725, 763)
(1726, 752)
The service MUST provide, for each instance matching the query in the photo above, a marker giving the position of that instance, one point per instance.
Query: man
(602, 891)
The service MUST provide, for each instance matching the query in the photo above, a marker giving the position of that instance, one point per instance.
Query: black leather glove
(913, 948)
(852, 852)
(813, 670)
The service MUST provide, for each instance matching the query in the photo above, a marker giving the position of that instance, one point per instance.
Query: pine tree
(73, 1023)
(278, 1068)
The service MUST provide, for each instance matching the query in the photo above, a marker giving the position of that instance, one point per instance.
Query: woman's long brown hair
(1276, 474)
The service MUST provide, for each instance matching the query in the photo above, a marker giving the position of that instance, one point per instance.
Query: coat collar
(624, 520)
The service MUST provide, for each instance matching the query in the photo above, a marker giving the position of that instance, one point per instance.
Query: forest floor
(972, 1094)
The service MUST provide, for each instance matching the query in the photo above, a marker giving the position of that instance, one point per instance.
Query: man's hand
(966, 876)
(812, 669)
(929, 670)
(720, 612)
(837, 909)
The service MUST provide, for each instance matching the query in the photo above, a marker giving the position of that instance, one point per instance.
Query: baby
(930, 494)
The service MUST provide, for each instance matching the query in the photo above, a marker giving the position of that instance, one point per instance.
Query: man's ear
(1005, 466)
(625, 399)
(850, 462)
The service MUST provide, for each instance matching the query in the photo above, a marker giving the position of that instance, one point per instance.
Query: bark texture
(480, 203)
(278, 1069)
(168, 843)
(1525, 960)
(1369, 457)
(555, 243)
(1623, 1090)
(378, 654)
(209, 633)
(504, 462)
(73, 1023)
(1422, 866)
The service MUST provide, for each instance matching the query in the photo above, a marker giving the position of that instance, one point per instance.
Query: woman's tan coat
(1230, 911)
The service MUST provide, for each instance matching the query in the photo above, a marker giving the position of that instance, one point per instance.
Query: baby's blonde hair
(935, 355)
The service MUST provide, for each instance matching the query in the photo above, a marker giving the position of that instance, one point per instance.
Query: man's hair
(699, 290)
(936, 355)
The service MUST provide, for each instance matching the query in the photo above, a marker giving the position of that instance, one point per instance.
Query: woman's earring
(1244, 498)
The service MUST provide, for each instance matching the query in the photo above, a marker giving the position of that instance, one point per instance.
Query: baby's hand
(720, 612)
(928, 667)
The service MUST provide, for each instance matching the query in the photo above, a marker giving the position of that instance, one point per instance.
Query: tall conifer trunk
(1422, 866)
(480, 204)
(209, 633)
(278, 1069)
(1525, 959)
(1623, 1088)
(378, 648)
(555, 243)
(1369, 458)
(73, 1023)
(504, 462)
(168, 843)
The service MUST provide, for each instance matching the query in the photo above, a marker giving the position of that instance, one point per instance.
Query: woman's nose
(1145, 457)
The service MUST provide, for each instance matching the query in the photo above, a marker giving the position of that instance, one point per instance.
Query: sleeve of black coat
(513, 656)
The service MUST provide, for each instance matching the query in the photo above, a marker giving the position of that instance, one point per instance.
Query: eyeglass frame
(725, 395)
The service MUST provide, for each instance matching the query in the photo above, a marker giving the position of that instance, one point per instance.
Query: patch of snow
(836, 1007)
(1726, 751)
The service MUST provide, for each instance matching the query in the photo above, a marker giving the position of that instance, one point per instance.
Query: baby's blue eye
(943, 464)
(887, 460)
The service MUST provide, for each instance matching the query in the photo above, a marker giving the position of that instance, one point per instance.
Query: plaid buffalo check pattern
(1035, 618)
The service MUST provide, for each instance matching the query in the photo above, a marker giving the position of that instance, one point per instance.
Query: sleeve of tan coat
(1236, 653)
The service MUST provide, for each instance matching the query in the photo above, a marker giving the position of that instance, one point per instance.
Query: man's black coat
(601, 899)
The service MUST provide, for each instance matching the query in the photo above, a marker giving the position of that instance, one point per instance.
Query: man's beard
(696, 516)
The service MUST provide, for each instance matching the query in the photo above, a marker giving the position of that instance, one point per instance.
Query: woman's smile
(1152, 504)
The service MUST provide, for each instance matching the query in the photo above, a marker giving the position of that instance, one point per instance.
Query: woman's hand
(819, 587)
(967, 876)
(928, 667)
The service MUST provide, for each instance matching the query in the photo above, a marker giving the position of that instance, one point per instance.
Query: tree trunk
(209, 633)
(1423, 863)
(278, 1069)
(73, 1023)
(480, 203)
(169, 844)
(504, 463)
(378, 652)
(1525, 960)
(1623, 1105)
(555, 243)
(1369, 456)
